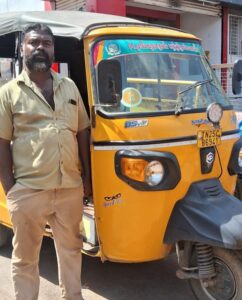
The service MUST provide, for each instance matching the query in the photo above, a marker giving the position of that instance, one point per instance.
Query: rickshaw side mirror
(109, 82)
(237, 77)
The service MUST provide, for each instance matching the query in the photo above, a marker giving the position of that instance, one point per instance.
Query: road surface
(101, 281)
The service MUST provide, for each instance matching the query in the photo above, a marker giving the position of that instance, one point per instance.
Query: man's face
(38, 51)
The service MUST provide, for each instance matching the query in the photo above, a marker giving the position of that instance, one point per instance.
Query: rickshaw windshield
(157, 75)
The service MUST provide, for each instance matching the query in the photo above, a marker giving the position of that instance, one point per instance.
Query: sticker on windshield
(131, 97)
(114, 48)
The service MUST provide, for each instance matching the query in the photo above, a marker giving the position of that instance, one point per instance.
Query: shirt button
(61, 162)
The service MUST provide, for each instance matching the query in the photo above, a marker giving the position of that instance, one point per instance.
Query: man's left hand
(87, 185)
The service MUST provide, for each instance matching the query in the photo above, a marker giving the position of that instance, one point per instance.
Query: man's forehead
(33, 34)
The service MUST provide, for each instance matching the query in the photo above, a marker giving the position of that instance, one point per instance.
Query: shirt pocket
(71, 115)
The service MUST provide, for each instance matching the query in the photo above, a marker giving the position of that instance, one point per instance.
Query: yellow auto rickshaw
(165, 145)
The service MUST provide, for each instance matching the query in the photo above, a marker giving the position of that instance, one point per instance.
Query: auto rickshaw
(165, 145)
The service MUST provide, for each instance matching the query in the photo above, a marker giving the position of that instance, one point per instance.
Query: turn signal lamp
(141, 170)
(134, 168)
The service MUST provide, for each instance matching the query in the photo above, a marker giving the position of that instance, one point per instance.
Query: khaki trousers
(30, 210)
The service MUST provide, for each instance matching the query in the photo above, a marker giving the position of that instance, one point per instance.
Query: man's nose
(40, 46)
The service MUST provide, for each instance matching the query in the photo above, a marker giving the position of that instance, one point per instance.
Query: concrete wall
(207, 28)
(21, 5)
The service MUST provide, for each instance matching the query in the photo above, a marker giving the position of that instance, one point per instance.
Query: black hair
(38, 27)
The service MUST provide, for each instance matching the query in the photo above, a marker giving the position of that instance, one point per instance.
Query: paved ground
(112, 281)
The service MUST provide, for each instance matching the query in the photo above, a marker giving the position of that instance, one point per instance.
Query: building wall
(115, 7)
(21, 5)
(208, 29)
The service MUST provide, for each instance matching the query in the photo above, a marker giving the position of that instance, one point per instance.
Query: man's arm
(6, 165)
(83, 139)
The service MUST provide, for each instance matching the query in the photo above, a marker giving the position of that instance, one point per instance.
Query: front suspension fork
(195, 261)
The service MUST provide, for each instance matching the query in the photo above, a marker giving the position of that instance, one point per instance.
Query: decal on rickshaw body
(112, 200)
(136, 123)
(200, 122)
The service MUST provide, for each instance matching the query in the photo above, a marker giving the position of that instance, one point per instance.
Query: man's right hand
(6, 166)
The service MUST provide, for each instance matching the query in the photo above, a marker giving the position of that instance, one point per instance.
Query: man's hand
(87, 185)
(6, 166)
(83, 139)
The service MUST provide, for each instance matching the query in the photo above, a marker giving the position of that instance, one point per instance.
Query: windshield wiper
(179, 106)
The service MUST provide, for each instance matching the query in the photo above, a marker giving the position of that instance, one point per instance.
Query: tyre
(228, 281)
(4, 234)
(238, 188)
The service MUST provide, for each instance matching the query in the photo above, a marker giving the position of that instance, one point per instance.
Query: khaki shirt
(44, 144)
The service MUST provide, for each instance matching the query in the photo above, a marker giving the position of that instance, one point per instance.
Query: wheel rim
(225, 286)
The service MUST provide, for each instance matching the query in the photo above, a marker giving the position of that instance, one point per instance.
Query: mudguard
(207, 214)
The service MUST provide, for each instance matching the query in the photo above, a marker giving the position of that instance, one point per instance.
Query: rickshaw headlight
(214, 112)
(154, 173)
(147, 170)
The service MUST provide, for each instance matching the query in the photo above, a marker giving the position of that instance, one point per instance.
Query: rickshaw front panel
(162, 110)
(135, 221)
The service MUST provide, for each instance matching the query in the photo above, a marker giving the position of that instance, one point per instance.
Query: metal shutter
(70, 4)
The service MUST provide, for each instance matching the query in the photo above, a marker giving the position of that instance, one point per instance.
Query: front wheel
(228, 281)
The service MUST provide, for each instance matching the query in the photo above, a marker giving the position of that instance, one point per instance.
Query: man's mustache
(42, 53)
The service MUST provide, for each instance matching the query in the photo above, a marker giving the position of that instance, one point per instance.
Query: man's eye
(47, 44)
(33, 43)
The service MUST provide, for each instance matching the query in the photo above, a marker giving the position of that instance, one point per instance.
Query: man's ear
(21, 50)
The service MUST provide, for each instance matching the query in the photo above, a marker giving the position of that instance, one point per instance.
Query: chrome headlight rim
(154, 173)
(214, 113)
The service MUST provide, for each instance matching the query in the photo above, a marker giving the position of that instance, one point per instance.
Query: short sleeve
(6, 124)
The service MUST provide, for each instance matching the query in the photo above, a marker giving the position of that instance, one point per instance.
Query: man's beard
(37, 64)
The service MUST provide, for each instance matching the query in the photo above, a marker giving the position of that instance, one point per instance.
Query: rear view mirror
(237, 77)
(109, 82)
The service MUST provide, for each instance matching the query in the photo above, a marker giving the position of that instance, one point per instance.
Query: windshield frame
(120, 115)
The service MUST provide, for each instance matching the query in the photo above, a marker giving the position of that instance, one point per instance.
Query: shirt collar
(24, 77)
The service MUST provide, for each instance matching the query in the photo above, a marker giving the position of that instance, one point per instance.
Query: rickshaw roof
(62, 23)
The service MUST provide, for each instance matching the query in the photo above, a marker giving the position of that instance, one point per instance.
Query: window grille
(235, 35)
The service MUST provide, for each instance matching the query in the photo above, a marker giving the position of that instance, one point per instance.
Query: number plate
(209, 138)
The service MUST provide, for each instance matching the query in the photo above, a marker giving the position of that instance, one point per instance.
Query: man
(43, 116)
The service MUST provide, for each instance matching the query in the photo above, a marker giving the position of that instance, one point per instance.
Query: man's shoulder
(8, 87)
(67, 81)
(62, 80)
(69, 85)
